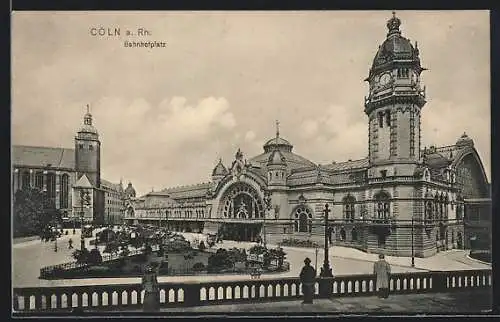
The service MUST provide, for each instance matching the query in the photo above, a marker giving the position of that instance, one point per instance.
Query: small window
(380, 120)
(388, 118)
(383, 173)
(80, 146)
(91, 147)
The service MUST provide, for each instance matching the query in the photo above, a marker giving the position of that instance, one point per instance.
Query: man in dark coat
(307, 278)
(382, 271)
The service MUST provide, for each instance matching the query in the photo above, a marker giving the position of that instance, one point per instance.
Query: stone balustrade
(129, 297)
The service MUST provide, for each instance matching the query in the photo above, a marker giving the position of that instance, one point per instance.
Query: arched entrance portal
(241, 212)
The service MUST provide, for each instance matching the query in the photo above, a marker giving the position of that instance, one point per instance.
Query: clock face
(384, 79)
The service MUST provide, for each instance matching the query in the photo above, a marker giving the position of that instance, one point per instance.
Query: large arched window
(303, 220)
(348, 203)
(243, 202)
(51, 186)
(63, 201)
(382, 206)
(441, 206)
(428, 212)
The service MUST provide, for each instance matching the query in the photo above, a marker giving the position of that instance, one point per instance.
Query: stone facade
(59, 172)
(399, 200)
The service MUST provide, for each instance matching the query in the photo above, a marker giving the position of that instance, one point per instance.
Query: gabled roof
(37, 156)
(83, 182)
(110, 185)
(184, 192)
(347, 165)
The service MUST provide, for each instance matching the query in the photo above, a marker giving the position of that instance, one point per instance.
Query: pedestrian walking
(70, 243)
(382, 271)
(151, 290)
(307, 278)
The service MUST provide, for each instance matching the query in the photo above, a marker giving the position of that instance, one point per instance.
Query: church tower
(88, 151)
(394, 104)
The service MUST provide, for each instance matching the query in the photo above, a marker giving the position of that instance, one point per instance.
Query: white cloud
(249, 136)
(309, 128)
(175, 138)
(332, 137)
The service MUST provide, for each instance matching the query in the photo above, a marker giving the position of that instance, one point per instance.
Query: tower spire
(88, 109)
(277, 128)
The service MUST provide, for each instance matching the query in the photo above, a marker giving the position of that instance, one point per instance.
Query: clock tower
(393, 105)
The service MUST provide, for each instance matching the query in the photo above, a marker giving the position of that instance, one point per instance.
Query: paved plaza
(30, 256)
(474, 301)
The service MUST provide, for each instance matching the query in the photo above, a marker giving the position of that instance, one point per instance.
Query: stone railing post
(325, 287)
(192, 294)
(439, 281)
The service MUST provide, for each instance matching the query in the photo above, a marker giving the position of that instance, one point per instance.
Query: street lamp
(327, 271)
(326, 282)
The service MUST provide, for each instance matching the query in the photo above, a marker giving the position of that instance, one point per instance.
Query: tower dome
(395, 47)
(219, 170)
(464, 141)
(277, 143)
(88, 129)
(130, 191)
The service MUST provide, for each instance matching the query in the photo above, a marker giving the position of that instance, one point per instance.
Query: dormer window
(403, 73)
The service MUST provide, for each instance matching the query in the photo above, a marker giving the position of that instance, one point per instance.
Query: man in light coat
(382, 271)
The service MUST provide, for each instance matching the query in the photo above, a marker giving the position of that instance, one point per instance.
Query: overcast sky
(165, 115)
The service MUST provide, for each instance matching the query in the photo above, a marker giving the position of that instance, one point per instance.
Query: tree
(34, 212)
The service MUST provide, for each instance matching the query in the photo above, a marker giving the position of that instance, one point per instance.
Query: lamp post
(326, 282)
(327, 271)
(412, 242)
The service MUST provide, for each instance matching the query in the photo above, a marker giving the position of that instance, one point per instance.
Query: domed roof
(465, 140)
(130, 191)
(220, 169)
(278, 143)
(395, 46)
(293, 161)
(276, 158)
(87, 126)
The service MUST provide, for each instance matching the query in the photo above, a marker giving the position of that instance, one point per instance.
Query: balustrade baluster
(345, 286)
